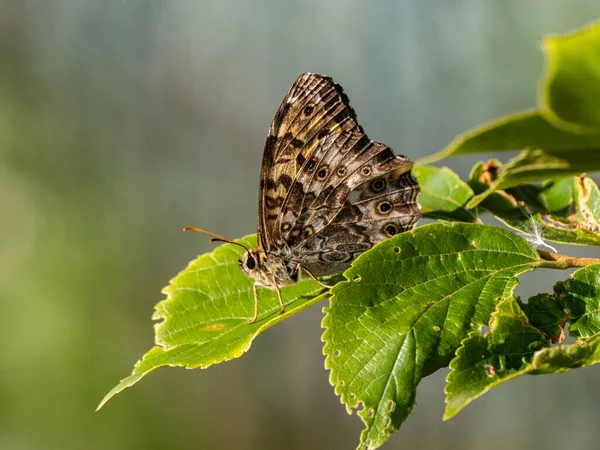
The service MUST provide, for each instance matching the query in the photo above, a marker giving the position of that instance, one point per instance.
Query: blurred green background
(123, 121)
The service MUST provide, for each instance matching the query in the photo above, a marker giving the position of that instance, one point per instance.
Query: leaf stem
(556, 261)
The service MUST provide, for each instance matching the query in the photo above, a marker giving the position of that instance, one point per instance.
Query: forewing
(314, 108)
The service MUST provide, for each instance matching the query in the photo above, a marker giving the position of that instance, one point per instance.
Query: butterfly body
(269, 271)
(327, 192)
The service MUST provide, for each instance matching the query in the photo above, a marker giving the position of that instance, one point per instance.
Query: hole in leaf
(356, 278)
(484, 330)
(396, 249)
(388, 422)
(371, 412)
(352, 396)
(436, 329)
(337, 353)
(342, 383)
(390, 405)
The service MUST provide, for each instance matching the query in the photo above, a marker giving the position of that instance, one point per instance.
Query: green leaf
(580, 295)
(568, 114)
(206, 312)
(565, 210)
(443, 194)
(484, 361)
(404, 309)
(547, 314)
(538, 165)
(516, 132)
(481, 365)
(499, 203)
(565, 357)
(586, 198)
(571, 84)
(571, 216)
(515, 346)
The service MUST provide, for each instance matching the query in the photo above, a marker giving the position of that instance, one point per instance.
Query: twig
(556, 261)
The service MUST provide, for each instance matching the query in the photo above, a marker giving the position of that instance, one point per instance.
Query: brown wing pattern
(369, 214)
(374, 201)
(313, 107)
(328, 192)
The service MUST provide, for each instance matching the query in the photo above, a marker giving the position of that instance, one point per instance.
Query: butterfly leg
(315, 278)
(254, 289)
(279, 296)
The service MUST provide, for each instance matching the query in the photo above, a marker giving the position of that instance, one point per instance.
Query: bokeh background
(123, 121)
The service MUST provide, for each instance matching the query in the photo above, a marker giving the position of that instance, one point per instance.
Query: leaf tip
(125, 383)
(106, 398)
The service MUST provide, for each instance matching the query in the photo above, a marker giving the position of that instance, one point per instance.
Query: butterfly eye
(251, 263)
(366, 171)
(341, 171)
(308, 109)
(378, 185)
(390, 229)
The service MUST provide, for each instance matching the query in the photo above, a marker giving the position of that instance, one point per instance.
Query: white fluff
(534, 235)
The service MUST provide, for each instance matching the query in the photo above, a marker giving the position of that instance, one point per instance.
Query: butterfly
(327, 192)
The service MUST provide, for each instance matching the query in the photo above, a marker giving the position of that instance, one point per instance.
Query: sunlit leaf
(571, 215)
(484, 361)
(404, 309)
(443, 194)
(568, 114)
(538, 165)
(516, 132)
(565, 210)
(571, 85)
(204, 319)
(515, 346)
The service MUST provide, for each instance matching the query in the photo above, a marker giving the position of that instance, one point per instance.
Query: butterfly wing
(313, 107)
(328, 192)
(357, 215)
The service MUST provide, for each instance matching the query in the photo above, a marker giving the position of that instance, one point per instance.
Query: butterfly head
(253, 263)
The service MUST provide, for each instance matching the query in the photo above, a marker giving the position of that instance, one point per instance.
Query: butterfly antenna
(216, 238)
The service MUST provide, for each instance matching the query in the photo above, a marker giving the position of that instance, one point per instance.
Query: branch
(556, 261)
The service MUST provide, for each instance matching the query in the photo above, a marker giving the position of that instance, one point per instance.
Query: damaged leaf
(520, 340)
(565, 210)
(537, 165)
